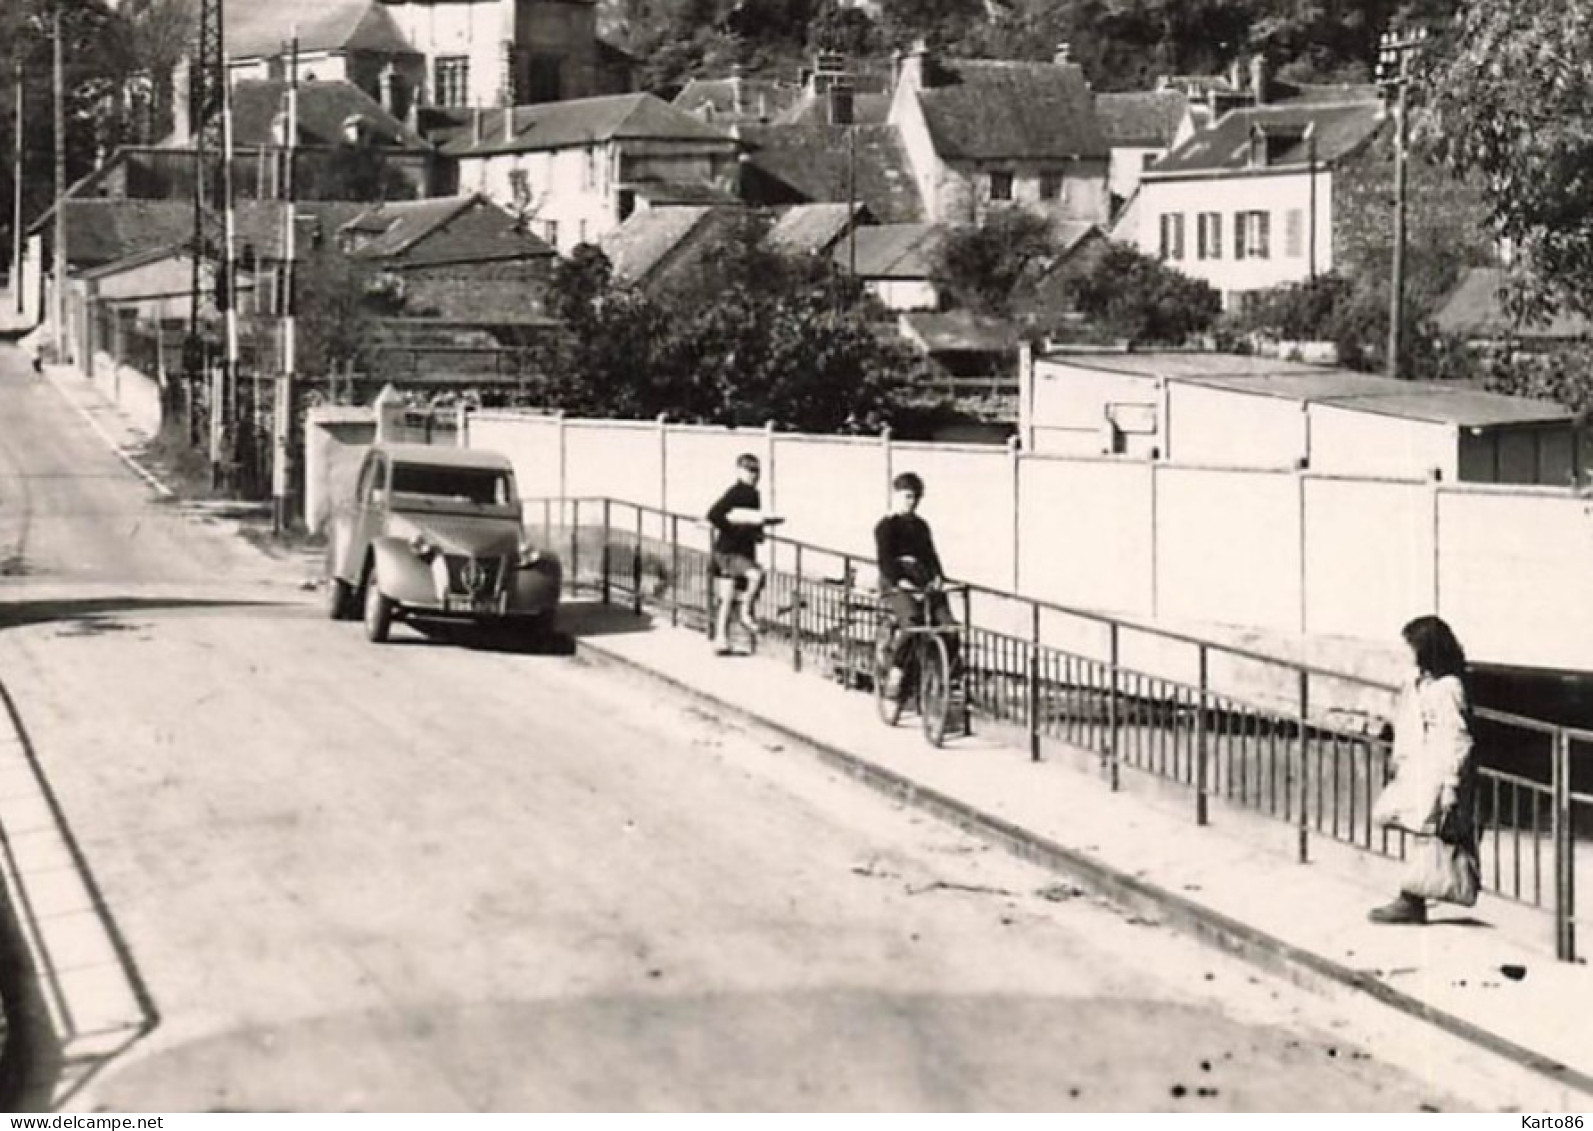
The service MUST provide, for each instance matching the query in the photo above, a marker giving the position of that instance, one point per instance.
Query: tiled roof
(324, 107)
(812, 164)
(581, 121)
(102, 231)
(891, 251)
(1339, 130)
(263, 27)
(453, 229)
(736, 99)
(1141, 118)
(869, 108)
(983, 110)
(811, 228)
(1475, 310)
(647, 238)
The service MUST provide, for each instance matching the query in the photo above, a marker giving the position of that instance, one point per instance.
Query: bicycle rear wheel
(889, 706)
(934, 688)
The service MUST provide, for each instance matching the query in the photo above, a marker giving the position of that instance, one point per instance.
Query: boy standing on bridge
(737, 520)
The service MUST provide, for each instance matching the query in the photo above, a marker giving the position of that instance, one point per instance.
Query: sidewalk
(1236, 883)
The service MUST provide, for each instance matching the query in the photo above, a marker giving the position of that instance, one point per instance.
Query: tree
(981, 266)
(1135, 297)
(339, 302)
(744, 337)
(97, 61)
(1510, 99)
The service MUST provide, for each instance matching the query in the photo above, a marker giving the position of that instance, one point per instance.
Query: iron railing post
(1111, 767)
(796, 613)
(1202, 800)
(603, 586)
(842, 641)
(636, 565)
(1034, 682)
(1564, 846)
(1305, 776)
(575, 543)
(674, 570)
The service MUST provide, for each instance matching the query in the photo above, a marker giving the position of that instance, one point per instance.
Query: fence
(1141, 699)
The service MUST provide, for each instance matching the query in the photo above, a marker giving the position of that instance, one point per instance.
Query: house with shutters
(1253, 200)
(982, 135)
(431, 53)
(574, 171)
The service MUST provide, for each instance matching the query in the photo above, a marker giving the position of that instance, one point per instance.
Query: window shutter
(1263, 234)
(1238, 235)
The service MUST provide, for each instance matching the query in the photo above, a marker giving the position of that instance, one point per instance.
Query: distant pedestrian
(738, 522)
(1431, 794)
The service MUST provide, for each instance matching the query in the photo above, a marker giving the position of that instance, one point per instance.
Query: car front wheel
(378, 613)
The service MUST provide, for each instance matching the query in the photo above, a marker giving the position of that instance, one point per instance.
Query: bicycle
(927, 677)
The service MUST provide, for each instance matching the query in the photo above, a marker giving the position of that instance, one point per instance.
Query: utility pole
(284, 415)
(59, 304)
(1393, 74)
(16, 202)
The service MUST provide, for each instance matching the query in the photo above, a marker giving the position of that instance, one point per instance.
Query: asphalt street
(426, 876)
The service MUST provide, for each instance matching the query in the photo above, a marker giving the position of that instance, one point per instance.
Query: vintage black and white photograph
(796, 556)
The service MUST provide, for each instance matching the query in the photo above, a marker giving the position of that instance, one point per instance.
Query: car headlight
(422, 548)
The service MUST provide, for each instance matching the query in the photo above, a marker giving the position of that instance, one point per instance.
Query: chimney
(476, 126)
(508, 123)
(738, 98)
(1236, 75)
(1064, 54)
(1258, 78)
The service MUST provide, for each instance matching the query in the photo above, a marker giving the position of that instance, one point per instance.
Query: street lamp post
(1396, 49)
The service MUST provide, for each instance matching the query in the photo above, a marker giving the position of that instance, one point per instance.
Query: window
(550, 232)
(1294, 233)
(583, 238)
(1252, 235)
(1001, 185)
(589, 172)
(1172, 235)
(1208, 235)
(1050, 186)
(520, 189)
(451, 81)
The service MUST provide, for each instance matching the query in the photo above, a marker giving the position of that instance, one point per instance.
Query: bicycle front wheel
(934, 688)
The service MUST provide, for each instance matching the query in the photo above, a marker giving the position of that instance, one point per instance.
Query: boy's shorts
(733, 566)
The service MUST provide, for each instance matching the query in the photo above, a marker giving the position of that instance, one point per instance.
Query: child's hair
(1437, 651)
(748, 462)
(907, 481)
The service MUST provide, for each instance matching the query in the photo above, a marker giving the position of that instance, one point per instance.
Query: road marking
(110, 441)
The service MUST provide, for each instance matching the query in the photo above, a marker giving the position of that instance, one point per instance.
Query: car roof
(437, 455)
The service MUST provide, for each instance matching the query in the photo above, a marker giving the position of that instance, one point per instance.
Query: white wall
(1183, 546)
(1126, 166)
(476, 29)
(1232, 429)
(905, 294)
(1066, 410)
(1275, 193)
(1346, 441)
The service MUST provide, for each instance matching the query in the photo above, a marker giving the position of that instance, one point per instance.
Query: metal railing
(1293, 742)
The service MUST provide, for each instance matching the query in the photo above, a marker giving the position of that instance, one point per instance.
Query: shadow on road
(102, 610)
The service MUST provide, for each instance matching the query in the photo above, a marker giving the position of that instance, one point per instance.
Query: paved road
(423, 876)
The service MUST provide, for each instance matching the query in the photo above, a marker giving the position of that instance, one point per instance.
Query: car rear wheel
(378, 613)
(339, 598)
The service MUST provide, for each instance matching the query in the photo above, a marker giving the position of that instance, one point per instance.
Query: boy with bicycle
(910, 575)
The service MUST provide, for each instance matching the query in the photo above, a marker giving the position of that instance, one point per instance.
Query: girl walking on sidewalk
(1430, 795)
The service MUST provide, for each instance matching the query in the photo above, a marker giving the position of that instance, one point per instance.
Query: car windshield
(483, 486)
